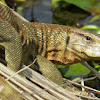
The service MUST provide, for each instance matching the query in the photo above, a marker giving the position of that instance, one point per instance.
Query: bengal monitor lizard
(51, 42)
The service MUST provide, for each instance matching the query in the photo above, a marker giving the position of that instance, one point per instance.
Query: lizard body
(58, 43)
(48, 38)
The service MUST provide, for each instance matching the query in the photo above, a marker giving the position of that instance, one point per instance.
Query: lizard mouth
(2, 55)
(78, 52)
(91, 51)
(57, 62)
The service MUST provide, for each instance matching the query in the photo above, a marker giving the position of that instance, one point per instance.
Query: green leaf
(84, 4)
(96, 66)
(75, 70)
(92, 6)
(90, 27)
(97, 31)
(97, 17)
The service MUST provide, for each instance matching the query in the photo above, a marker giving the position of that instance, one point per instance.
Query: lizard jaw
(93, 53)
(68, 57)
(90, 52)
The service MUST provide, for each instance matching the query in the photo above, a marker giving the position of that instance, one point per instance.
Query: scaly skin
(11, 41)
(58, 43)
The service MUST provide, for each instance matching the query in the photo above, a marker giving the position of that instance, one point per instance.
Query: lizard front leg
(49, 70)
(10, 40)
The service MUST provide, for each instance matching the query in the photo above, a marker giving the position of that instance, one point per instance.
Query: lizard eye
(88, 38)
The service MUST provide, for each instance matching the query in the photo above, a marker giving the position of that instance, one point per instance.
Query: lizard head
(75, 46)
(84, 45)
